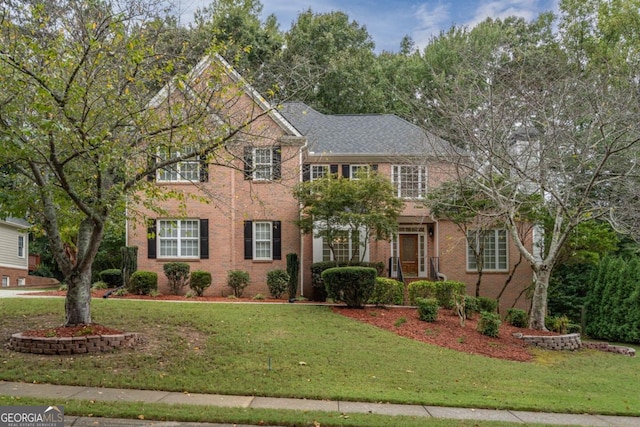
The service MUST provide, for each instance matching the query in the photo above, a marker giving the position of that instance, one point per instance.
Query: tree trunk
(78, 301)
(539, 303)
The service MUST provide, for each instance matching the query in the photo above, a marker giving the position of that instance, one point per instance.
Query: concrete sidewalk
(57, 393)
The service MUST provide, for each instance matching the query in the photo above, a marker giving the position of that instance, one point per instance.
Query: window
(345, 247)
(22, 281)
(262, 164)
(179, 238)
(21, 242)
(355, 171)
(319, 171)
(410, 181)
(5, 281)
(262, 240)
(491, 245)
(184, 171)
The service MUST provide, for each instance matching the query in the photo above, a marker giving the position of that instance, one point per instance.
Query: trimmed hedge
(442, 291)
(112, 277)
(487, 304)
(427, 309)
(517, 317)
(143, 282)
(489, 324)
(200, 280)
(387, 292)
(238, 280)
(318, 267)
(352, 285)
(277, 282)
(178, 275)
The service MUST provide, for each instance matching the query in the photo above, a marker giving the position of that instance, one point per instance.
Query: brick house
(249, 222)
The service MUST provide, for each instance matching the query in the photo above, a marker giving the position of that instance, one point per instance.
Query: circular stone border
(72, 345)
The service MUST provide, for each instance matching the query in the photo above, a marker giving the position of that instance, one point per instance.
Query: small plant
(427, 309)
(470, 306)
(462, 340)
(143, 282)
(178, 275)
(557, 324)
(489, 324)
(517, 317)
(573, 328)
(120, 292)
(277, 282)
(258, 297)
(400, 321)
(86, 330)
(190, 294)
(62, 287)
(112, 277)
(489, 305)
(99, 285)
(238, 280)
(200, 280)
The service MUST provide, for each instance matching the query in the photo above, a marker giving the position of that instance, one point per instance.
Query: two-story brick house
(248, 223)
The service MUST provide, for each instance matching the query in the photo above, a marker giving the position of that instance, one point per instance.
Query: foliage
(421, 289)
(427, 309)
(443, 291)
(238, 280)
(277, 282)
(487, 304)
(558, 324)
(517, 317)
(129, 262)
(470, 306)
(612, 304)
(112, 277)
(387, 291)
(318, 267)
(365, 208)
(178, 275)
(293, 269)
(200, 280)
(352, 285)
(143, 282)
(99, 286)
(489, 324)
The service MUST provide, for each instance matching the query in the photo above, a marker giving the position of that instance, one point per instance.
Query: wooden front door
(409, 254)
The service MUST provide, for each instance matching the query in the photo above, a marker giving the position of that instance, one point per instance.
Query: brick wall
(72, 345)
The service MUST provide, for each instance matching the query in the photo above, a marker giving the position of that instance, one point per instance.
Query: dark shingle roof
(17, 222)
(361, 134)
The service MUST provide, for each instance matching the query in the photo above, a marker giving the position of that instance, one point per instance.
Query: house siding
(13, 268)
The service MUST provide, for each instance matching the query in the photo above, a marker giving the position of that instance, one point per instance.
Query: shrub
(470, 306)
(258, 297)
(517, 318)
(238, 280)
(99, 285)
(557, 324)
(143, 282)
(352, 285)
(277, 282)
(421, 289)
(293, 268)
(178, 275)
(489, 305)
(489, 324)
(573, 328)
(427, 309)
(447, 290)
(112, 277)
(199, 281)
(387, 292)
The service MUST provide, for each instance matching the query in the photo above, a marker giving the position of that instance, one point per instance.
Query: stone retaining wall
(72, 345)
(604, 346)
(572, 342)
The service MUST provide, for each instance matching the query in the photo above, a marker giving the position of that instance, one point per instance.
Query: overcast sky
(388, 21)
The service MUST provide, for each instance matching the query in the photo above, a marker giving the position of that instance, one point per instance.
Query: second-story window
(262, 163)
(183, 171)
(410, 181)
(21, 244)
(319, 171)
(358, 171)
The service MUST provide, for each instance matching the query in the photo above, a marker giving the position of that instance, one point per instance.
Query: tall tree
(79, 129)
(534, 122)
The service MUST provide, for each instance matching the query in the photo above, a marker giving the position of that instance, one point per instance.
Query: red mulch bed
(445, 331)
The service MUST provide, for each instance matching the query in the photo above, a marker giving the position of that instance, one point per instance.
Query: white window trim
(256, 170)
(353, 170)
(318, 245)
(6, 281)
(255, 240)
(179, 238)
(326, 169)
(396, 178)
(178, 167)
(22, 246)
(493, 268)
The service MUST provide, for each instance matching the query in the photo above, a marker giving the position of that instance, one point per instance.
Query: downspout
(300, 177)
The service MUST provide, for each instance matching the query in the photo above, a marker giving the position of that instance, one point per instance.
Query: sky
(388, 21)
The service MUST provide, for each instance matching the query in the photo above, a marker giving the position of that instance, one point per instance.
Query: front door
(409, 254)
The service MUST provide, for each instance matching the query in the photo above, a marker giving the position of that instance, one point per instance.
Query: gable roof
(362, 134)
(16, 222)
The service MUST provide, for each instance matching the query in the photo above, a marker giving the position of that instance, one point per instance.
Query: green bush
(470, 306)
(558, 324)
(489, 324)
(421, 289)
(573, 328)
(489, 305)
(427, 309)
(277, 281)
(178, 275)
(238, 280)
(318, 267)
(352, 285)
(293, 268)
(447, 290)
(387, 292)
(143, 282)
(112, 277)
(199, 281)
(99, 285)
(517, 317)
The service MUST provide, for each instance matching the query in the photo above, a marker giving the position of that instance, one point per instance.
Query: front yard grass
(304, 351)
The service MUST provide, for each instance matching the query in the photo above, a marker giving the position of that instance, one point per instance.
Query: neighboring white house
(14, 252)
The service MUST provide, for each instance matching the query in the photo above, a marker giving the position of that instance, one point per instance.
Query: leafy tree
(533, 121)
(79, 126)
(365, 207)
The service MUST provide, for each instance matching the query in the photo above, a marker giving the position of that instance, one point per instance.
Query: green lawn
(297, 350)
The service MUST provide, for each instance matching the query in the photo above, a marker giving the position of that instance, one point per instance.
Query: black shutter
(277, 240)
(276, 158)
(204, 169)
(248, 240)
(306, 172)
(204, 239)
(345, 171)
(151, 162)
(248, 162)
(151, 239)
(374, 168)
(333, 169)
